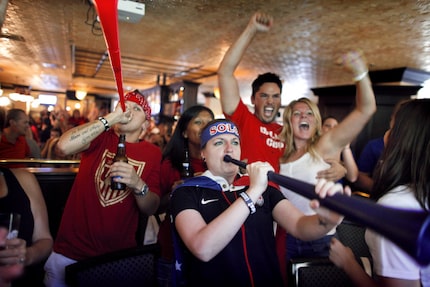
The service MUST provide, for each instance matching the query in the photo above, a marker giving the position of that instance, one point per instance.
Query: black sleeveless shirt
(17, 201)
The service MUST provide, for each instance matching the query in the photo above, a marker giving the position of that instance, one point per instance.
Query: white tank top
(304, 169)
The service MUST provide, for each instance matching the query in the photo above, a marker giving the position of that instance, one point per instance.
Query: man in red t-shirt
(259, 131)
(13, 144)
(97, 219)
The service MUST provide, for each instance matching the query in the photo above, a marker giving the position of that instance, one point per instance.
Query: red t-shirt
(259, 141)
(18, 150)
(96, 220)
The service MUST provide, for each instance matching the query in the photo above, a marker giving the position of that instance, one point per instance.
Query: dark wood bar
(49, 163)
(55, 183)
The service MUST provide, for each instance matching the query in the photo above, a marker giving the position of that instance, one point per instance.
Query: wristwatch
(143, 191)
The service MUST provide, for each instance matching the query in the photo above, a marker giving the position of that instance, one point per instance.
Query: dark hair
(13, 114)
(47, 121)
(177, 144)
(328, 117)
(58, 130)
(406, 157)
(266, 78)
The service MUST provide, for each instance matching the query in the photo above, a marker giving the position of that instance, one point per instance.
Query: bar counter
(32, 162)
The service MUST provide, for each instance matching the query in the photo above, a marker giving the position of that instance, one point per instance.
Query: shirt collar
(223, 183)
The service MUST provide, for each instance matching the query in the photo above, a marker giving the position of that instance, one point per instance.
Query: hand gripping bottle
(119, 156)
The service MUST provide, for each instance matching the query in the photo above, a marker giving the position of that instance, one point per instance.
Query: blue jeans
(297, 248)
(165, 269)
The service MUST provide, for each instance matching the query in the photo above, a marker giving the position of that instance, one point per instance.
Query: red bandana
(141, 101)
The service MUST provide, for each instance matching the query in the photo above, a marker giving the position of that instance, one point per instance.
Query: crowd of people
(23, 137)
(218, 227)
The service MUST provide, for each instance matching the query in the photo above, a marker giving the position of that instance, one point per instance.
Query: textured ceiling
(51, 45)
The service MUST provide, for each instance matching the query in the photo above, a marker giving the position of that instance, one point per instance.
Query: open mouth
(268, 111)
(304, 125)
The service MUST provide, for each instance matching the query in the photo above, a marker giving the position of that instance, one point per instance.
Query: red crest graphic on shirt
(106, 195)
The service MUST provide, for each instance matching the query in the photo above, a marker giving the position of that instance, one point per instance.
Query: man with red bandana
(97, 219)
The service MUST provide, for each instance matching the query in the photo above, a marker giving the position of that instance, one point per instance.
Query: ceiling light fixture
(80, 95)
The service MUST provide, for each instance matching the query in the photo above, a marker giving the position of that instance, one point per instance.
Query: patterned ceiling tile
(57, 44)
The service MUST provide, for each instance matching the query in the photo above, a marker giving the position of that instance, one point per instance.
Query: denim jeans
(297, 248)
(165, 269)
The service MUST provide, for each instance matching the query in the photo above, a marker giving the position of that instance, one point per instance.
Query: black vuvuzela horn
(409, 229)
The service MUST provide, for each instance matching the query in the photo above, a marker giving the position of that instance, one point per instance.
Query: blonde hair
(287, 134)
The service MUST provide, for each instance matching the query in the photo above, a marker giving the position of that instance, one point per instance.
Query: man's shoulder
(241, 111)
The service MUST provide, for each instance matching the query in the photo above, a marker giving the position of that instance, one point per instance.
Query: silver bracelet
(360, 77)
(105, 123)
(248, 202)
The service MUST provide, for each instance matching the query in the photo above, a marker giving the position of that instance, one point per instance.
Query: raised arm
(79, 138)
(228, 85)
(336, 139)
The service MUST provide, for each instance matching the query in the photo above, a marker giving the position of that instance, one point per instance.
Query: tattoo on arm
(85, 135)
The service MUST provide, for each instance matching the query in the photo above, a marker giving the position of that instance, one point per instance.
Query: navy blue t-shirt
(229, 267)
(370, 155)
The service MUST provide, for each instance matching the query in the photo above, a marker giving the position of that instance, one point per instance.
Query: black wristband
(248, 202)
(105, 123)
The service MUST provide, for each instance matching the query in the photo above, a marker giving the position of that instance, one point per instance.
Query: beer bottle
(119, 156)
(187, 170)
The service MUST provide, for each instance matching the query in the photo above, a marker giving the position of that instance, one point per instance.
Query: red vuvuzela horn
(409, 229)
(107, 10)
